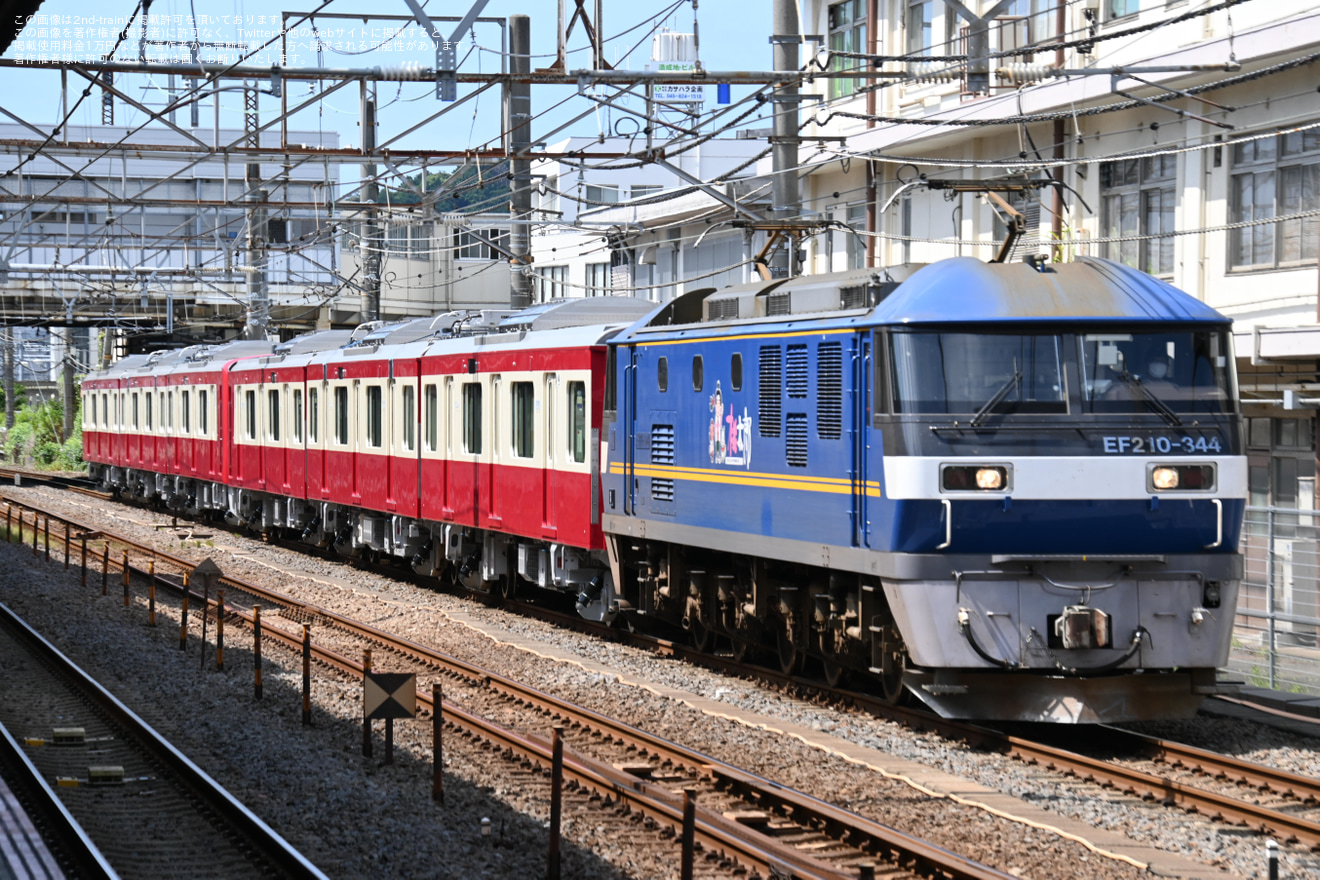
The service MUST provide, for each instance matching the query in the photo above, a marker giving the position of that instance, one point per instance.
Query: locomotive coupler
(1082, 627)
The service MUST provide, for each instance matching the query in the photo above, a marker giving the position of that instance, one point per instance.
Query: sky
(733, 35)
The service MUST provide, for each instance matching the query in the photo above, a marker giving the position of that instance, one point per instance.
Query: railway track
(741, 818)
(143, 808)
(1220, 787)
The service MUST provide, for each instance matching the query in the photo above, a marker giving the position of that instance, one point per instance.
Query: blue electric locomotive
(1011, 489)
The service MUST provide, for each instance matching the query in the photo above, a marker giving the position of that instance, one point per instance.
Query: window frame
(846, 33)
(472, 417)
(522, 422)
(1277, 165)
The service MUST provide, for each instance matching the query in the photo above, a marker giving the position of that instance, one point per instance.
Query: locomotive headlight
(976, 477)
(1164, 478)
(1180, 477)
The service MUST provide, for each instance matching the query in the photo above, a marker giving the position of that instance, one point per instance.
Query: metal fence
(1278, 613)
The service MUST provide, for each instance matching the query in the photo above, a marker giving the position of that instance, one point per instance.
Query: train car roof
(964, 289)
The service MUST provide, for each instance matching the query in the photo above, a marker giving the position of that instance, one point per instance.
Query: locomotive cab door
(860, 415)
(628, 413)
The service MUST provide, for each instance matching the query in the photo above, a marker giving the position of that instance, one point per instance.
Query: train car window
(770, 393)
(313, 415)
(698, 373)
(203, 412)
(105, 410)
(957, 373)
(89, 411)
(829, 390)
(432, 406)
(577, 420)
(249, 413)
(134, 410)
(375, 434)
(662, 374)
(273, 413)
(185, 414)
(148, 411)
(735, 371)
(168, 414)
(472, 417)
(523, 398)
(409, 418)
(296, 415)
(1183, 371)
(160, 410)
(341, 415)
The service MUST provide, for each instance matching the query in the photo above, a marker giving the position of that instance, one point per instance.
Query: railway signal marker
(389, 695)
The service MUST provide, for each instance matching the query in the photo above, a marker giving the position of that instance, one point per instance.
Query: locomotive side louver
(829, 391)
(772, 373)
(662, 452)
(797, 371)
(795, 444)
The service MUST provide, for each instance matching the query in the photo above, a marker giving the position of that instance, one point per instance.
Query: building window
(375, 407)
(1137, 199)
(409, 240)
(523, 398)
(341, 415)
(409, 418)
(314, 415)
(598, 279)
(856, 239)
(577, 420)
(1272, 177)
(643, 190)
(920, 25)
(847, 34)
(596, 194)
(469, 244)
(1121, 8)
(432, 418)
(552, 283)
(472, 417)
(273, 405)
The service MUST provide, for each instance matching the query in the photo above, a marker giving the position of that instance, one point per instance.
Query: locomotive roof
(958, 290)
(964, 289)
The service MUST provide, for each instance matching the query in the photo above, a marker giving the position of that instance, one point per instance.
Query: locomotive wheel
(789, 657)
(702, 636)
(508, 586)
(742, 649)
(891, 675)
(834, 672)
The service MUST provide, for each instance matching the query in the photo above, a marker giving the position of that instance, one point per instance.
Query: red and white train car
(450, 442)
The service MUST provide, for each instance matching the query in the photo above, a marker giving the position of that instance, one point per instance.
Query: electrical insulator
(1020, 74)
(933, 72)
(409, 71)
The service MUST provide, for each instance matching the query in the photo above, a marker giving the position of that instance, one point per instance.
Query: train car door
(554, 437)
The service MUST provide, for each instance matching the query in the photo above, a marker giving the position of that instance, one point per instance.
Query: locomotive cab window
(472, 417)
(735, 372)
(1179, 371)
(980, 374)
(662, 374)
(698, 373)
(523, 398)
(577, 420)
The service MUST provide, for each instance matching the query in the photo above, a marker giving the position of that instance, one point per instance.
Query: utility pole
(9, 379)
(258, 294)
(786, 36)
(519, 126)
(371, 244)
(67, 382)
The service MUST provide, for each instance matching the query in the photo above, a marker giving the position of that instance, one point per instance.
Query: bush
(46, 452)
(70, 457)
(19, 442)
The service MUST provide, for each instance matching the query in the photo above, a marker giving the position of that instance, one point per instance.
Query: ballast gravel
(355, 817)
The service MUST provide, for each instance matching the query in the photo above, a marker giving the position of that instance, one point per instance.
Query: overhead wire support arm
(446, 51)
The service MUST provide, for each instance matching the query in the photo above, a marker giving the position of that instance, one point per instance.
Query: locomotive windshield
(1131, 372)
(977, 373)
(1165, 371)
